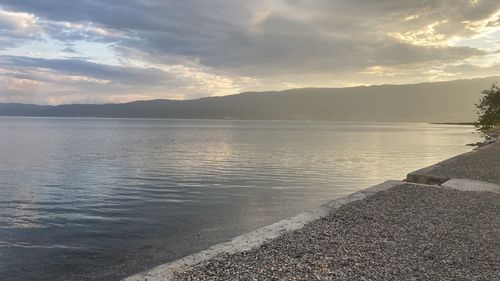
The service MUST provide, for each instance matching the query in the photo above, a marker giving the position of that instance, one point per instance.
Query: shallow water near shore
(101, 199)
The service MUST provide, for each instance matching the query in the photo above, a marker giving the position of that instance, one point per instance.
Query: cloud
(84, 31)
(16, 27)
(79, 80)
(118, 74)
(192, 48)
(16, 24)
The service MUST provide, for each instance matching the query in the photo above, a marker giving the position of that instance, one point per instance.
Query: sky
(91, 51)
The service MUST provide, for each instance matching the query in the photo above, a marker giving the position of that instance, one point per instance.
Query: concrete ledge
(481, 164)
(426, 176)
(257, 237)
(471, 185)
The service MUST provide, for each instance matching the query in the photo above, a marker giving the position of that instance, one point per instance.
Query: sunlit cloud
(16, 28)
(100, 51)
(18, 24)
(379, 71)
(427, 36)
(490, 23)
(412, 17)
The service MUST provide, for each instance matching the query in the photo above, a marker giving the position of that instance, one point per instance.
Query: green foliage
(489, 109)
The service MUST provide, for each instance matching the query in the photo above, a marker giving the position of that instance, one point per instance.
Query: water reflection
(117, 196)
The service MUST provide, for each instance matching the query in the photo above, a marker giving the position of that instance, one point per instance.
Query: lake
(101, 199)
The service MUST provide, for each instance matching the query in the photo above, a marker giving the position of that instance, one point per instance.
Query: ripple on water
(124, 195)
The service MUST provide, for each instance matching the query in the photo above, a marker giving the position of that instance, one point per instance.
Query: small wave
(4, 244)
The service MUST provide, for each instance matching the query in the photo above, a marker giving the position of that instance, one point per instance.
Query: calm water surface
(100, 199)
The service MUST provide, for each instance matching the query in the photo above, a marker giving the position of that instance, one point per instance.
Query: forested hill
(451, 101)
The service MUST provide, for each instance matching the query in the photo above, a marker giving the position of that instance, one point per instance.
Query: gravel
(408, 232)
(482, 164)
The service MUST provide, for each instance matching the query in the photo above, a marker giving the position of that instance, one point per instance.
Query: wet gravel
(405, 233)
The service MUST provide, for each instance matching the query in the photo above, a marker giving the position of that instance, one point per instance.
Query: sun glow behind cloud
(65, 52)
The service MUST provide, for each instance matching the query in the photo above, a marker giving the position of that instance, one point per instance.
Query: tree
(489, 109)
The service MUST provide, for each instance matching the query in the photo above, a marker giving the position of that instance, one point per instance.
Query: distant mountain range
(451, 101)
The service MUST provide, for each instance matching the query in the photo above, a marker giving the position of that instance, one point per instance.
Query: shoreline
(457, 173)
(455, 123)
(236, 119)
(256, 237)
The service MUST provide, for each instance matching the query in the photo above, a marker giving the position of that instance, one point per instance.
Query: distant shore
(455, 123)
(421, 102)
